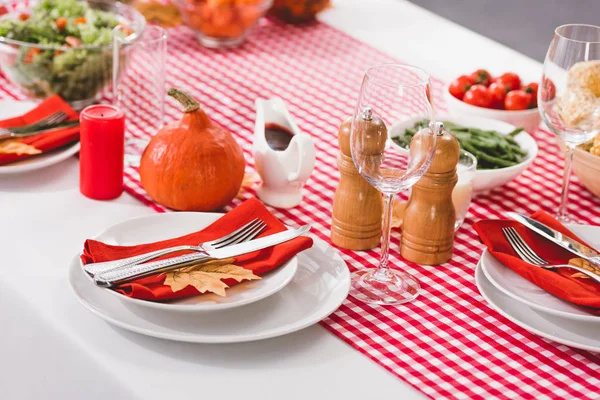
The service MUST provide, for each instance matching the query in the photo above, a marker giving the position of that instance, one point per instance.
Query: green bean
(492, 149)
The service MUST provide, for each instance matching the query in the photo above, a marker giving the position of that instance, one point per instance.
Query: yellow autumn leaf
(250, 179)
(581, 263)
(208, 277)
(17, 147)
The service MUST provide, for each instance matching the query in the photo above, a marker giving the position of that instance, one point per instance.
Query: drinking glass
(463, 191)
(569, 91)
(139, 86)
(390, 94)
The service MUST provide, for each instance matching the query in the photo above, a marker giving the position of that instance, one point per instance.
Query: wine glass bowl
(569, 93)
(390, 94)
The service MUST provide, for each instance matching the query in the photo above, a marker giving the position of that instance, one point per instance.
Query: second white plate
(153, 228)
(318, 289)
(579, 334)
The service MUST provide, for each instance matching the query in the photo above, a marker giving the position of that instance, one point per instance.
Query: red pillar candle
(101, 158)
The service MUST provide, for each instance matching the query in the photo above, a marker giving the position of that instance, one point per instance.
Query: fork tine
(250, 234)
(521, 248)
(242, 236)
(249, 225)
(508, 235)
(48, 120)
(528, 248)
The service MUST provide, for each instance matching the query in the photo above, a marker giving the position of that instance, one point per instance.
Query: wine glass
(568, 96)
(390, 94)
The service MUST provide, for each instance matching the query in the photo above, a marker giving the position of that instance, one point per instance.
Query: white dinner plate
(9, 109)
(579, 334)
(318, 288)
(153, 228)
(519, 288)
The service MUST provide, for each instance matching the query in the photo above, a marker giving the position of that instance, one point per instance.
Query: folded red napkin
(580, 291)
(259, 262)
(44, 141)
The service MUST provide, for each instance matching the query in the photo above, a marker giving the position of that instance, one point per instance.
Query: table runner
(448, 343)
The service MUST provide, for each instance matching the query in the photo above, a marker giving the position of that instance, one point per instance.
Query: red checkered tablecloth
(448, 343)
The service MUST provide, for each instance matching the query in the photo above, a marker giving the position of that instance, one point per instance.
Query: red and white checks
(448, 343)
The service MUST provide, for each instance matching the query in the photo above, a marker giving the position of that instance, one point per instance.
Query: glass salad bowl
(63, 47)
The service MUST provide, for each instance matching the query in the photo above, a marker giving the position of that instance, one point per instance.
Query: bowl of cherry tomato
(504, 97)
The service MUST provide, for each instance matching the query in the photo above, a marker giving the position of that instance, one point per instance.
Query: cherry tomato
(481, 76)
(511, 80)
(460, 85)
(517, 100)
(498, 91)
(548, 89)
(479, 96)
(532, 89)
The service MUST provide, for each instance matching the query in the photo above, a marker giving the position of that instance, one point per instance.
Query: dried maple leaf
(247, 183)
(581, 263)
(208, 277)
(17, 147)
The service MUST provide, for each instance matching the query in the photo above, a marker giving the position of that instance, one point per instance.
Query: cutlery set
(57, 120)
(241, 241)
(529, 255)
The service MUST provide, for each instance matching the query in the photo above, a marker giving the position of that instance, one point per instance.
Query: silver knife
(116, 277)
(575, 247)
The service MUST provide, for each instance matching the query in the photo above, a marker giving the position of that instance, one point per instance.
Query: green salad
(71, 68)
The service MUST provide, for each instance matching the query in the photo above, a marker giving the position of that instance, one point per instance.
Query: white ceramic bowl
(485, 179)
(528, 119)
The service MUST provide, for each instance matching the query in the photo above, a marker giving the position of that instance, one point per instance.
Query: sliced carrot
(80, 20)
(23, 17)
(72, 41)
(61, 23)
(31, 53)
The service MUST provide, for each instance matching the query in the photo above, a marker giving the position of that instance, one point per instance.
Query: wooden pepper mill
(357, 206)
(428, 230)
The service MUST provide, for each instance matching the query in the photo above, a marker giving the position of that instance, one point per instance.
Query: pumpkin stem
(187, 101)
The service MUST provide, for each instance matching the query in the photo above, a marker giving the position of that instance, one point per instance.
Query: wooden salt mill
(428, 229)
(357, 206)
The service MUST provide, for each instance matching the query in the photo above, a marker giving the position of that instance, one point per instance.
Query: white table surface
(52, 348)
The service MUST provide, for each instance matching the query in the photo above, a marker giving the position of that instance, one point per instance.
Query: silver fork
(21, 131)
(245, 233)
(527, 254)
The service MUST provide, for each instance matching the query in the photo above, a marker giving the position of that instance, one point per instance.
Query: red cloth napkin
(583, 292)
(260, 262)
(44, 141)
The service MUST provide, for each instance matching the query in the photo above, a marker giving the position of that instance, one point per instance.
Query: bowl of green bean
(503, 151)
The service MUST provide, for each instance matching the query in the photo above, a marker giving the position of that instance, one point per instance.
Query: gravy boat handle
(304, 145)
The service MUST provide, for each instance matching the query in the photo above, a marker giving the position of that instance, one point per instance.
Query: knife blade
(116, 277)
(572, 245)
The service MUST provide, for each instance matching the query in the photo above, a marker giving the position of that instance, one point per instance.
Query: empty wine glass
(390, 94)
(568, 96)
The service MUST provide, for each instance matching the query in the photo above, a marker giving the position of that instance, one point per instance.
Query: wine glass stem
(385, 235)
(564, 194)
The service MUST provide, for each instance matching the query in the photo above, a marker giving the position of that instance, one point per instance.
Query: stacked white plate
(536, 310)
(293, 296)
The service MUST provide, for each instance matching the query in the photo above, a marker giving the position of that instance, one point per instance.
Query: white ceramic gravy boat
(283, 173)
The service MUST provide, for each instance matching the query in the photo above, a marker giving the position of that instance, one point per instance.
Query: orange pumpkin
(193, 164)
